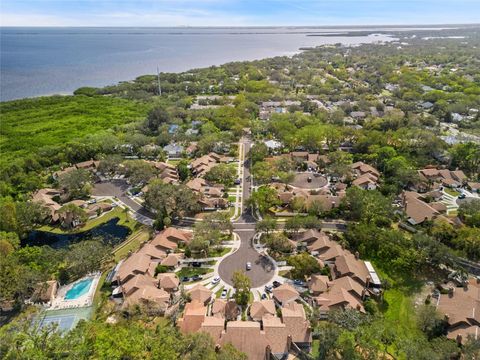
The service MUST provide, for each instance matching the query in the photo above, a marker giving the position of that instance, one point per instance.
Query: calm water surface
(44, 61)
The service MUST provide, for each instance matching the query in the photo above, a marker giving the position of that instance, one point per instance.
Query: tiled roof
(285, 293)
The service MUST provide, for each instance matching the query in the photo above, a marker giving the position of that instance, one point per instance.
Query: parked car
(268, 288)
(215, 280)
(224, 294)
(185, 279)
(462, 196)
(196, 264)
(248, 266)
(276, 284)
(196, 277)
(298, 282)
(264, 296)
(237, 182)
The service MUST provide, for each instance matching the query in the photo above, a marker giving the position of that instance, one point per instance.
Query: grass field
(451, 192)
(30, 124)
(132, 243)
(191, 271)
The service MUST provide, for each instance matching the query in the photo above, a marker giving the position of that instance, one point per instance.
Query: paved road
(118, 188)
(262, 268)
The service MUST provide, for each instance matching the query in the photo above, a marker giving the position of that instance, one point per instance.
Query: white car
(215, 280)
(224, 294)
(249, 266)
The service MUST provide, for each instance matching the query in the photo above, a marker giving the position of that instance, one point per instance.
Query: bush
(160, 269)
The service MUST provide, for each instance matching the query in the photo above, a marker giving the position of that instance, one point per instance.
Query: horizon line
(244, 26)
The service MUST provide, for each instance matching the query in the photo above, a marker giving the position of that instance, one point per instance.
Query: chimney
(364, 292)
(268, 352)
(459, 339)
(367, 282)
(357, 255)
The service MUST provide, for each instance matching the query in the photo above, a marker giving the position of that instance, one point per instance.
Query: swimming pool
(80, 288)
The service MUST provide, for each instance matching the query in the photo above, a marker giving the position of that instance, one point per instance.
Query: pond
(111, 232)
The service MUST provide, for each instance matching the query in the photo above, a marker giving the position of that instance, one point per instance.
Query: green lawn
(30, 124)
(191, 271)
(218, 293)
(450, 191)
(132, 243)
(117, 212)
(218, 253)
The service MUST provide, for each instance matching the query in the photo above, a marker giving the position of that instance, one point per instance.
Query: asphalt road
(262, 268)
(118, 188)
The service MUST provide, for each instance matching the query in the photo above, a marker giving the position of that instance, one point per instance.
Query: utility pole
(159, 86)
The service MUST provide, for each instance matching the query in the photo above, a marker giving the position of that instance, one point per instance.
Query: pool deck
(84, 300)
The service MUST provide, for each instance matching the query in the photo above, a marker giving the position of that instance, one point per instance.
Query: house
(142, 289)
(167, 172)
(285, 294)
(200, 294)
(366, 182)
(444, 177)
(174, 151)
(273, 144)
(271, 336)
(168, 282)
(417, 210)
(259, 309)
(170, 238)
(173, 129)
(427, 105)
(358, 115)
(45, 292)
(367, 176)
(461, 308)
(350, 265)
(45, 197)
(225, 309)
(203, 164)
(136, 264)
(172, 260)
(318, 284)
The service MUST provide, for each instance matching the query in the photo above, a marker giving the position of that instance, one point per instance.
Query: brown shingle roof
(260, 308)
(135, 264)
(168, 281)
(463, 310)
(417, 210)
(318, 283)
(285, 294)
(200, 293)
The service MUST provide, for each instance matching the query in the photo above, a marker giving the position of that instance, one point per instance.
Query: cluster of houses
(90, 165)
(365, 176)
(461, 308)
(66, 218)
(328, 196)
(274, 328)
(424, 203)
(138, 278)
(211, 195)
(203, 102)
(267, 108)
(434, 178)
(350, 280)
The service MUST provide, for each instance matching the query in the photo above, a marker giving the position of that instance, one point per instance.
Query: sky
(236, 12)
